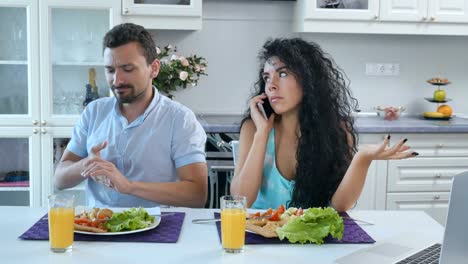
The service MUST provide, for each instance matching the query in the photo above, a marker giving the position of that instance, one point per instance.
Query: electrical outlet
(382, 69)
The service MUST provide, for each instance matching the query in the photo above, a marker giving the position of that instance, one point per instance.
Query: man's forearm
(182, 193)
(68, 174)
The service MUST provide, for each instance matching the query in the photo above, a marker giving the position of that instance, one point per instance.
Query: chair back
(235, 150)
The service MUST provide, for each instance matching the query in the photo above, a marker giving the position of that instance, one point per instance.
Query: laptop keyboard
(429, 255)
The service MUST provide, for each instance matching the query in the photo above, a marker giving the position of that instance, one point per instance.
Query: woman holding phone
(304, 153)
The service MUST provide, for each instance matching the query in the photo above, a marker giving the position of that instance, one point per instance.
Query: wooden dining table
(200, 243)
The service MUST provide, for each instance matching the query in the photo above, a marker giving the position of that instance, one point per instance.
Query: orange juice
(61, 227)
(233, 228)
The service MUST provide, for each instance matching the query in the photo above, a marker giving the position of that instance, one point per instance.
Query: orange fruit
(446, 110)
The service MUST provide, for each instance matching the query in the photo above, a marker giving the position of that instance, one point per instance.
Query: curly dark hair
(324, 149)
(128, 32)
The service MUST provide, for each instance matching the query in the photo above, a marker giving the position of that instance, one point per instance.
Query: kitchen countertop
(364, 124)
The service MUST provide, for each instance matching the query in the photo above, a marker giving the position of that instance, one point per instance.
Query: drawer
(434, 204)
(424, 174)
(436, 145)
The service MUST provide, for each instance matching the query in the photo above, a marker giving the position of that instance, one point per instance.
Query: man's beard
(127, 99)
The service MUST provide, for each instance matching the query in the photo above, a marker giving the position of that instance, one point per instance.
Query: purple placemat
(353, 234)
(167, 231)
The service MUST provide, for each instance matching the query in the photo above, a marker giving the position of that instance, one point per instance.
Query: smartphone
(265, 109)
(260, 107)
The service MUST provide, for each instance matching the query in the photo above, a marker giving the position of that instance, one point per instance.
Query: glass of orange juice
(61, 221)
(233, 223)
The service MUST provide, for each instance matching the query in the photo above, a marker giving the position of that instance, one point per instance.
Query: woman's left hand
(384, 152)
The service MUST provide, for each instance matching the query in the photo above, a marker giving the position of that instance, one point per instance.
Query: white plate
(157, 220)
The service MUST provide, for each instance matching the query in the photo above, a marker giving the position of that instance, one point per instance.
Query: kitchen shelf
(13, 62)
(81, 63)
(2, 189)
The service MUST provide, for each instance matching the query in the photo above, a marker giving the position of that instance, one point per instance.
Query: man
(137, 148)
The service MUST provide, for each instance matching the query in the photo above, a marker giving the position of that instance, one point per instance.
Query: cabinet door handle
(423, 18)
(432, 18)
(436, 197)
(43, 131)
(126, 11)
(440, 145)
(438, 175)
(376, 17)
(43, 122)
(35, 131)
(35, 122)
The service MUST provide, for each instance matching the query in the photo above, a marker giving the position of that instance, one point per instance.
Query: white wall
(234, 31)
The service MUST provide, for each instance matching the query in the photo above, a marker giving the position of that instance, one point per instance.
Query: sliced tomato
(81, 221)
(275, 216)
(280, 209)
(257, 214)
(268, 212)
(101, 216)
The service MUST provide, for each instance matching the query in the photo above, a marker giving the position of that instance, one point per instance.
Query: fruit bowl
(431, 99)
(438, 81)
(436, 116)
(390, 112)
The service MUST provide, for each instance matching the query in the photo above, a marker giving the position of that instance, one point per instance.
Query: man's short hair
(128, 32)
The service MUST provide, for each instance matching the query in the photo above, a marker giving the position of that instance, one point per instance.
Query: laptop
(453, 250)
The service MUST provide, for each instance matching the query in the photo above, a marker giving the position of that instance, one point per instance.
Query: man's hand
(103, 171)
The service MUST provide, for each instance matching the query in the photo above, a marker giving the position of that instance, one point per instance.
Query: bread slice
(89, 229)
(265, 232)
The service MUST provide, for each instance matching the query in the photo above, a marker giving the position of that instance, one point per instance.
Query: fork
(357, 220)
(213, 220)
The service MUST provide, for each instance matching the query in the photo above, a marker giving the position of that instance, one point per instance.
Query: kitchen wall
(234, 31)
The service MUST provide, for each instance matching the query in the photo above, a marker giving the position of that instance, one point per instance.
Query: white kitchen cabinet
(19, 157)
(374, 191)
(434, 204)
(319, 9)
(71, 43)
(424, 182)
(47, 47)
(431, 17)
(164, 14)
(423, 174)
(420, 183)
(19, 63)
(424, 11)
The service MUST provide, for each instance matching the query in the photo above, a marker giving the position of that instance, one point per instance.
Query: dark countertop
(364, 124)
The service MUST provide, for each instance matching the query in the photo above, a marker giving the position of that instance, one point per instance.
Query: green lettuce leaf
(313, 226)
(128, 220)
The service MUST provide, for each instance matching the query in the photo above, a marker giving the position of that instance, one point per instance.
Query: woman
(305, 153)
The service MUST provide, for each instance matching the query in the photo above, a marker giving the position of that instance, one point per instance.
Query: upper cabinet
(164, 14)
(439, 17)
(71, 34)
(19, 62)
(47, 50)
(434, 11)
(338, 9)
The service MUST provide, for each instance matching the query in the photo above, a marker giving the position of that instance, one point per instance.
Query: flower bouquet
(177, 71)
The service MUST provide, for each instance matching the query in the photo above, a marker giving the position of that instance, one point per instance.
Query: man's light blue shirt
(165, 137)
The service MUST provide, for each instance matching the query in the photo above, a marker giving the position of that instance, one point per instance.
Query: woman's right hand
(262, 125)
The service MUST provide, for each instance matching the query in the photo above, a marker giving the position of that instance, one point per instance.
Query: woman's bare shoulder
(247, 129)
(248, 124)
